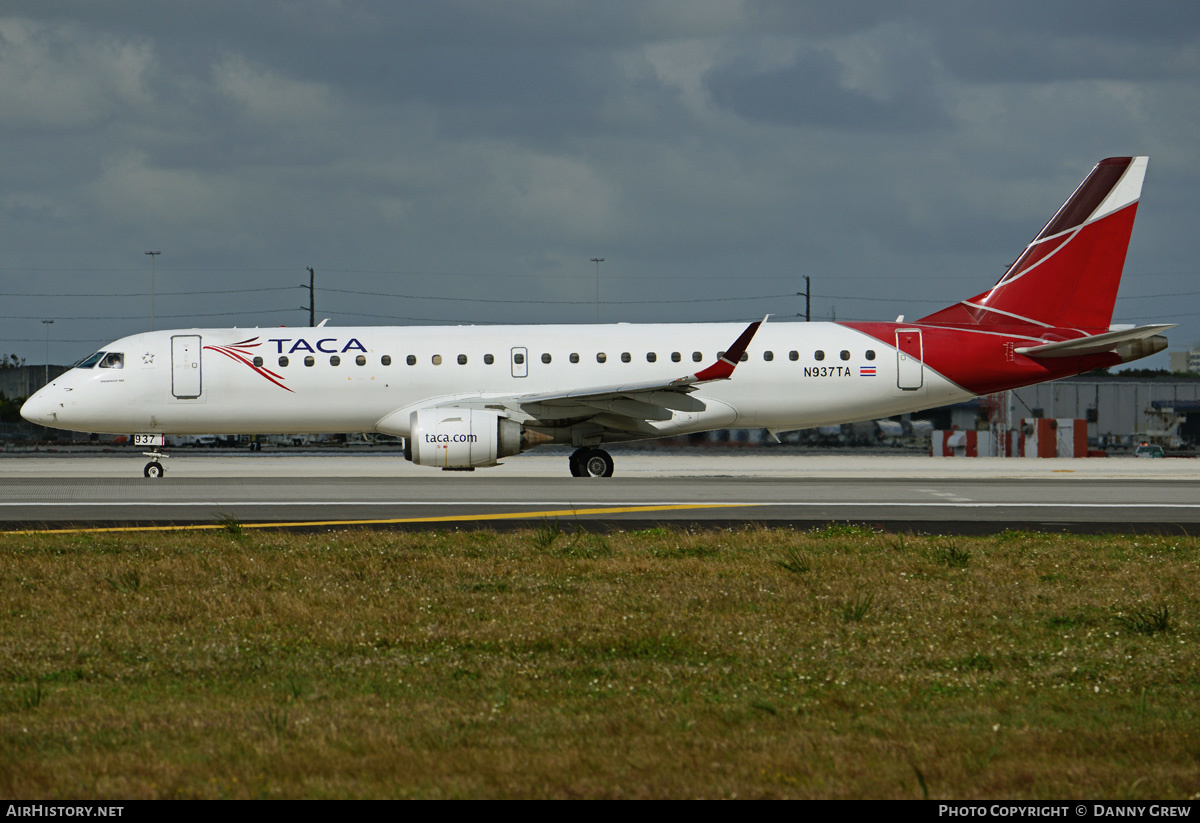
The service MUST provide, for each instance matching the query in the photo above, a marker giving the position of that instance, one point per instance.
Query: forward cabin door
(185, 366)
(909, 369)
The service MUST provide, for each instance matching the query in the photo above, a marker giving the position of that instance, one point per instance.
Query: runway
(316, 491)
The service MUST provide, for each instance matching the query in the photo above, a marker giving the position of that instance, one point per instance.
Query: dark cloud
(810, 91)
(1027, 42)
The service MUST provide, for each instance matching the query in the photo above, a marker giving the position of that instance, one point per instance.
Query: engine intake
(461, 438)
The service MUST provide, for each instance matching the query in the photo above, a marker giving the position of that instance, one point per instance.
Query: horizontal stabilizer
(1095, 344)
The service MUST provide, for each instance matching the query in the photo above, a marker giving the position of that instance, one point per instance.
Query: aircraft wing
(627, 407)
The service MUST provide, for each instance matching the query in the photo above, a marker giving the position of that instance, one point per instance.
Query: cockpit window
(113, 360)
(88, 362)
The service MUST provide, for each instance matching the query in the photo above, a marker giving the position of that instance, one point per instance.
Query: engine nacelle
(461, 438)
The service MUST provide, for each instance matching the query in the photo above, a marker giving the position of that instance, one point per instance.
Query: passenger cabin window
(437, 360)
(601, 357)
(768, 355)
(574, 357)
(845, 354)
(309, 360)
(518, 358)
(626, 357)
(651, 357)
(386, 360)
(361, 360)
(462, 360)
(489, 359)
(335, 361)
(283, 361)
(258, 361)
(793, 355)
(697, 357)
(870, 354)
(545, 358)
(113, 360)
(745, 356)
(410, 360)
(818, 355)
(676, 357)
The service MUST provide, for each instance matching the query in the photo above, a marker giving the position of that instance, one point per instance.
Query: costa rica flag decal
(866, 371)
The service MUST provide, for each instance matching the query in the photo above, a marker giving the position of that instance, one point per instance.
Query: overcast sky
(462, 162)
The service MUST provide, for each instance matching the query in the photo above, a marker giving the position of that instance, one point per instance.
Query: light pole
(312, 296)
(47, 324)
(597, 261)
(807, 298)
(153, 254)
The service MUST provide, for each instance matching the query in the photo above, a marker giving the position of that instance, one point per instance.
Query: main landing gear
(591, 463)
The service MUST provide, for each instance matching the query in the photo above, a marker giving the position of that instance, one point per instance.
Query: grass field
(659, 663)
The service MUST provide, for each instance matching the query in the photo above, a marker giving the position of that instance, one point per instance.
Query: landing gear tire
(595, 463)
(576, 462)
(154, 469)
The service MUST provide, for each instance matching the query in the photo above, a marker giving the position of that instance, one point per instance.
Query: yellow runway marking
(457, 518)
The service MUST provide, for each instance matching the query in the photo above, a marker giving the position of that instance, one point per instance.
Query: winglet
(727, 362)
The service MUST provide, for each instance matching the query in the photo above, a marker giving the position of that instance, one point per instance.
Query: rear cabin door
(909, 370)
(185, 366)
(520, 362)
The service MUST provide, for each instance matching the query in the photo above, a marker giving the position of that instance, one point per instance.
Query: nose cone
(40, 409)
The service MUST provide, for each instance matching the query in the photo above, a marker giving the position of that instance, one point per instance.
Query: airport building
(1186, 361)
(1120, 411)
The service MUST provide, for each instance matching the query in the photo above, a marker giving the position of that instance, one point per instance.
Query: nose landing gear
(154, 468)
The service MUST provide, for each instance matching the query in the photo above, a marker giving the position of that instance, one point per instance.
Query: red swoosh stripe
(233, 354)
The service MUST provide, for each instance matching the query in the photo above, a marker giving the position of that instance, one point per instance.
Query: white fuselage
(289, 380)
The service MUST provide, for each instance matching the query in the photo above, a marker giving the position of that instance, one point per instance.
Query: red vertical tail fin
(1069, 275)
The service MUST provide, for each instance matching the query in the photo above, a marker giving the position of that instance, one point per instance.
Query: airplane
(466, 397)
